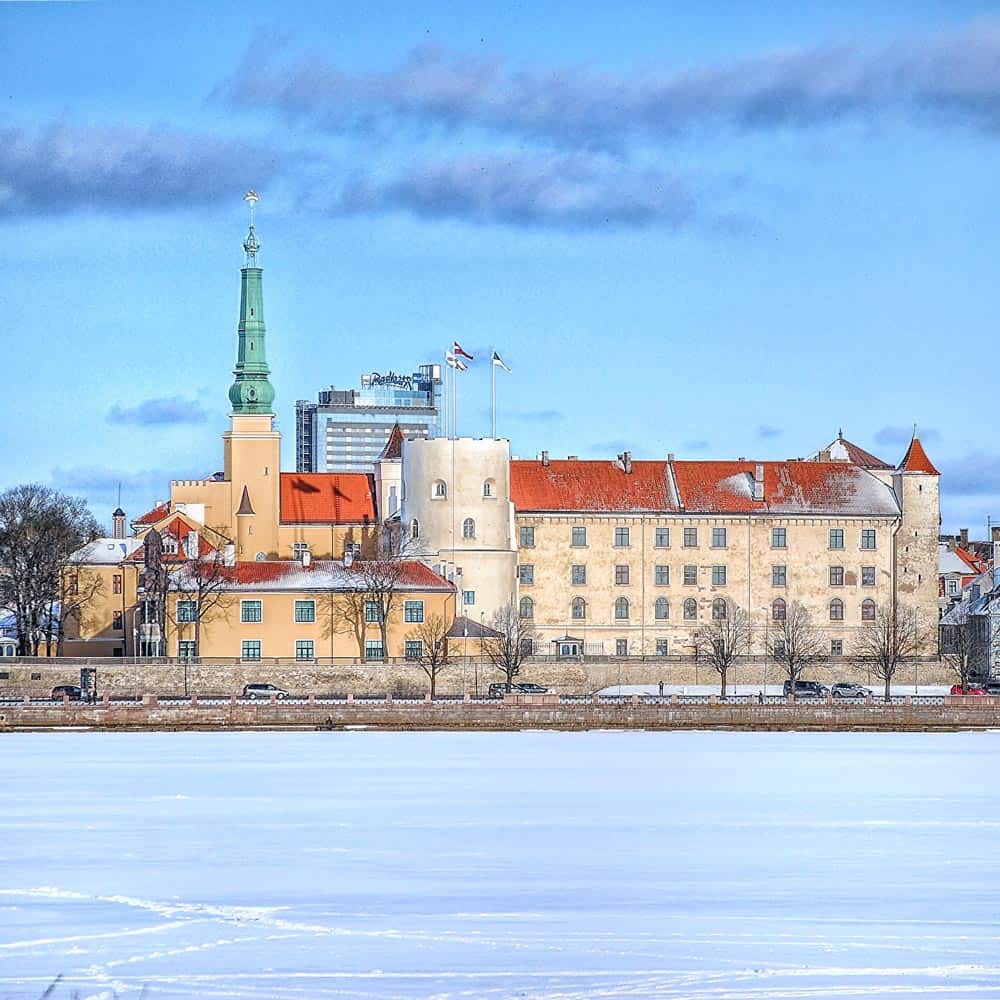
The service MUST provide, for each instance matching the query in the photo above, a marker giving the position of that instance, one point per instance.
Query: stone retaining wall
(507, 715)
(473, 676)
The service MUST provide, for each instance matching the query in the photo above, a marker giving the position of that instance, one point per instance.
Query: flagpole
(493, 395)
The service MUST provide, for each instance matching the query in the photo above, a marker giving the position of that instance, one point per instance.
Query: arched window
(468, 528)
(690, 610)
(489, 488)
(868, 610)
(527, 608)
(414, 528)
(836, 610)
(579, 609)
(779, 610)
(661, 609)
(440, 490)
(719, 609)
(621, 609)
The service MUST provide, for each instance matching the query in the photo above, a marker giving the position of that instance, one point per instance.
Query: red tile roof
(844, 450)
(394, 446)
(288, 574)
(179, 529)
(916, 460)
(327, 498)
(701, 487)
(154, 515)
(591, 486)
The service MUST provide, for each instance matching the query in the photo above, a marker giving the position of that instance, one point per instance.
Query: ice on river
(463, 865)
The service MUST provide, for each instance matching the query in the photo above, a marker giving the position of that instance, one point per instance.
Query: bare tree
(80, 587)
(794, 641)
(891, 637)
(727, 637)
(202, 580)
(432, 635)
(344, 612)
(513, 643)
(40, 529)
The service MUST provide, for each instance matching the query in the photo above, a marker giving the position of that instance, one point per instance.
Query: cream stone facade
(458, 517)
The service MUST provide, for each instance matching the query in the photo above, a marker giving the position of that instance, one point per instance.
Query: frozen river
(461, 865)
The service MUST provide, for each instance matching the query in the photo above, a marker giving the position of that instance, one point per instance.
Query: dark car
(500, 689)
(992, 688)
(848, 689)
(70, 691)
(263, 691)
(806, 689)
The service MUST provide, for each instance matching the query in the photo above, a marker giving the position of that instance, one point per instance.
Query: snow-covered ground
(462, 865)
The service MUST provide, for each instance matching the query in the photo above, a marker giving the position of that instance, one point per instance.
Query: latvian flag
(457, 363)
(459, 351)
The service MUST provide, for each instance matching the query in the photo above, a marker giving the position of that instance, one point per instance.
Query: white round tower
(458, 517)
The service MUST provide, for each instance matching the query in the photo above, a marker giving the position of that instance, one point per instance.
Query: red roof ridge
(394, 446)
(156, 514)
(916, 460)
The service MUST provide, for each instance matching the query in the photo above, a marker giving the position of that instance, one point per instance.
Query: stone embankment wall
(38, 677)
(542, 712)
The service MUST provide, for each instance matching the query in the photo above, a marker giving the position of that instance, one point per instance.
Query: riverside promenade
(675, 712)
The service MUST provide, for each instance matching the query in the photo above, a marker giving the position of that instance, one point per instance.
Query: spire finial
(250, 245)
(840, 433)
(914, 430)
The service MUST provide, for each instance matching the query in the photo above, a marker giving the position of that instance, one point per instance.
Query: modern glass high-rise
(347, 429)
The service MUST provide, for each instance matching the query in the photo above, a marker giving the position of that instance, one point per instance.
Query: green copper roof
(252, 392)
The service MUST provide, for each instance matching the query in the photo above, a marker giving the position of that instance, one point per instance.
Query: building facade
(347, 429)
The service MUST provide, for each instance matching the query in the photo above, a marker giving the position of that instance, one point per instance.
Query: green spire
(251, 392)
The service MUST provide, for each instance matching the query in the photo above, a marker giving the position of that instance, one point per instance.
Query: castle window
(779, 576)
(868, 610)
(718, 576)
(719, 609)
(439, 490)
(661, 609)
(489, 488)
(468, 528)
(527, 538)
(578, 574)
(779, 610)
(621, 609)
(836, 576)
(579, 537)
(868, 538)
(662, 538)
(661, 575)
(526, 573)
(116, 582)
(779, 538)
(718, 538)
(836, 538)
(690, 609)
(867, 576)
(836, 610)
(414, 528)
(621, 575)
(527, 608)
(251, 611)
(579, 609)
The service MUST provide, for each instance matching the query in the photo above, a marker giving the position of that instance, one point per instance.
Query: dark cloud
(102, 482)
(152, 412)
(578, 190)
(767, 432)
(902, 435)
(974, 475)
(64, 168)
(953, 76)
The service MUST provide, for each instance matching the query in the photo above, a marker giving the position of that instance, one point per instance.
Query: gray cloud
(540, 416)
(697, 445)
(101, 481)
(952, 76)
(767, 432)
(902, 435)
(577, 190)
(610, 448)
(974, 475)
(152, 412)
(63, 168)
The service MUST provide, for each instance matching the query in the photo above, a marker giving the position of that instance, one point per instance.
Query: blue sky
(711, 229)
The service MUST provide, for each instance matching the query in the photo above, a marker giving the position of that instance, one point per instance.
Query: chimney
(545, 458)
(963, 535)
(306, 558)
(823, 456)
(670, 456)
(758, 481)
(191, 546)
(348, 557)
(625, 462)
(229, 555)
(572, 458)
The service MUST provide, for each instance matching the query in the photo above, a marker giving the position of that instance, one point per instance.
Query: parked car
(499, 689)
(807, 689)
(71, 691)
(848, 689)
(263, 691)
(970, 689)
(992, 688)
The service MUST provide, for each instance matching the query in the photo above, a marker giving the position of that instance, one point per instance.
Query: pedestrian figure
(661, 689)
(760, 697)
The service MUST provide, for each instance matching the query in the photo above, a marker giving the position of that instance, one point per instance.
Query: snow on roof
(291, 575)
(106, 551)
(957, 560)
(843, 450)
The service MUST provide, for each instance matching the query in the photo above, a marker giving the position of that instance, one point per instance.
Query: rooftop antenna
(119, 494)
